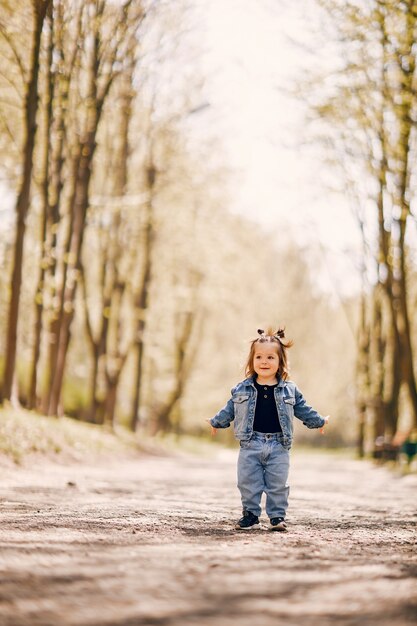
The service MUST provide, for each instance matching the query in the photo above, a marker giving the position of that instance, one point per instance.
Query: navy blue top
(266, 414)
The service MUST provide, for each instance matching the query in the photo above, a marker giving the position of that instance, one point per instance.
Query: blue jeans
(263, 466)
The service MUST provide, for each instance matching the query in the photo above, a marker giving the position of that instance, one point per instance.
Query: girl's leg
(276, 481)
(250, 476)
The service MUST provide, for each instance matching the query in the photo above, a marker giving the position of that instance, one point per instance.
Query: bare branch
(11, 82)
(9, 39)
(8, 129)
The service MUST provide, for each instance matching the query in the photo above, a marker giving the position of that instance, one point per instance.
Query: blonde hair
(275, 337)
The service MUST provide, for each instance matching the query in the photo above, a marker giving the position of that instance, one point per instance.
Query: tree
(111, 31)
(39, 8)
(368, 117)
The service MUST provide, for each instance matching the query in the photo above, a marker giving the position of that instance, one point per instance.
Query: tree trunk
(141, 306)
(142, 301)
(98, 346)
(93, 386)
(164, 421)
(362, 374)
(406, 112)
(378, 387)
(56, 322)
(22, 204)
(80, 212)
(406, 344)
(32, 399)
(111, 398)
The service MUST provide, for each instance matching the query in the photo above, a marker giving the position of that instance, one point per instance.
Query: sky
(252, 63)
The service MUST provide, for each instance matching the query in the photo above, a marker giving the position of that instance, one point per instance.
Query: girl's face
(266, 360)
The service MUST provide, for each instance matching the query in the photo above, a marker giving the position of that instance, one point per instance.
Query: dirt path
(151, 542)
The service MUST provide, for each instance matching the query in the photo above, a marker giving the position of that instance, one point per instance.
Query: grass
(24, 433)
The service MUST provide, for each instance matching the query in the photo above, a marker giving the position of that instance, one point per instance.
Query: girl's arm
(224, 417)
(306, 413)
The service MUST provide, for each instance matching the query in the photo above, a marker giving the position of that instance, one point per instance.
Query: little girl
(263, 407)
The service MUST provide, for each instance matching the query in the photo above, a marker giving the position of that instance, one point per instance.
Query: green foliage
(75, 396)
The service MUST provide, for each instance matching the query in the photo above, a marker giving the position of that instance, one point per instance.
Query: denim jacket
(241, 409)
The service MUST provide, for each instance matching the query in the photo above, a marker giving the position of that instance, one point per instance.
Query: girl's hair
(275, 337)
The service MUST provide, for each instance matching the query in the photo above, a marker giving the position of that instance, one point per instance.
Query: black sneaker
(277, 523)
(247, 522)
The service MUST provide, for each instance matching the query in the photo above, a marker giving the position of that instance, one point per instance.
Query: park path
(151, 542)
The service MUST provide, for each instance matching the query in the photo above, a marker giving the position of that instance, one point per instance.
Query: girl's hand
(326, 420)
(213, 430)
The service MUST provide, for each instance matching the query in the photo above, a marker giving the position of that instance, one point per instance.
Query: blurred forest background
(128, 290)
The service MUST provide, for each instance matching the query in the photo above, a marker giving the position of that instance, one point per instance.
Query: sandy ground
(152, 542)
